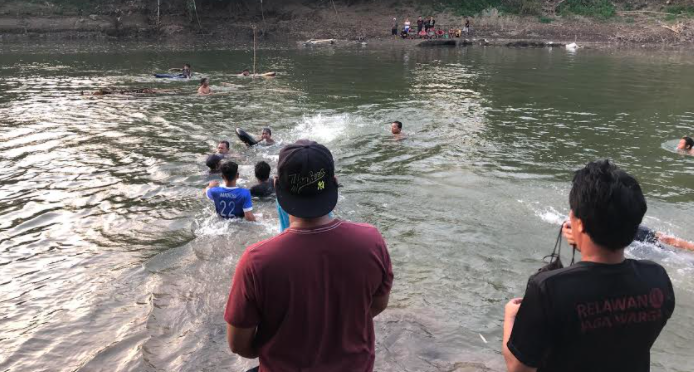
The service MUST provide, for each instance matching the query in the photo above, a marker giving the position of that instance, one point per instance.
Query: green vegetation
(684, 10)
(544, 19)
(589, 8)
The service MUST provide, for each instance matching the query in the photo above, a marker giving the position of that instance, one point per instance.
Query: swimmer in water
(686, 145)
(204, 88)
(223, 148)
(229, 200)
(109, 91)
(247, 72)
(185, 71)
(214, 162)
(643, 235)
(396, 129)
(266, 137)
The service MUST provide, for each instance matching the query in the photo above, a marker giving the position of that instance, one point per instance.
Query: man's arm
(512, 363)
(378, 304)
(249, 216)
(240, 341)
(675, 242)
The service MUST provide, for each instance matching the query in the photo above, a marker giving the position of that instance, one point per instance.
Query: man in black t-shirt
(265, 187)
(605, 312)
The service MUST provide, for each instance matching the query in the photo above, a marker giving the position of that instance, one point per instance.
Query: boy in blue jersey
(229, 200)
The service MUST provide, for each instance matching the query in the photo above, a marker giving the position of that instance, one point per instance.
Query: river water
(111, 258)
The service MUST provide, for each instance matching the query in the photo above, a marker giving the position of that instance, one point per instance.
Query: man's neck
(228, 183)
(590, 252)
(304, 223)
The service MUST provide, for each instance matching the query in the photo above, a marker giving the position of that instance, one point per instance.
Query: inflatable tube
(170, 76)
(245, 137)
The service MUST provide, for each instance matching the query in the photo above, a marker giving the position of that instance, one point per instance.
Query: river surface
(111, 258)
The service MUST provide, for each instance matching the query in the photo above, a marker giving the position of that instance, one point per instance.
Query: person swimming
(247, 72)
(644, 234)
(396, 129)
(686, 145)
(266, 136)
(111, 91)
(204, 88)
(214, 162)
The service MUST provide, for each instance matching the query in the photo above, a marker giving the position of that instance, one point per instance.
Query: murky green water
(111, 258)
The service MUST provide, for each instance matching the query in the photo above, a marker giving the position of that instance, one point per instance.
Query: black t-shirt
(263, 189)
(593, 317)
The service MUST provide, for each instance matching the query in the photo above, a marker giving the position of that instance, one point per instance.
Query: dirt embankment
(297, 20)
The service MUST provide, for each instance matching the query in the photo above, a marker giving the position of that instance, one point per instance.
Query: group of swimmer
(185, 73)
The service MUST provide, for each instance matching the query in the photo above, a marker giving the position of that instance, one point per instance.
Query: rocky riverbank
(294, 22)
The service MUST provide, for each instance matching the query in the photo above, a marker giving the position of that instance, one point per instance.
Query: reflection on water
(112, 259)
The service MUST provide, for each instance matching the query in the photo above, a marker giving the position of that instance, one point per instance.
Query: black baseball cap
(306, 187)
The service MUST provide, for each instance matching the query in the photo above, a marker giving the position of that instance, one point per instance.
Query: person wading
(305, 300)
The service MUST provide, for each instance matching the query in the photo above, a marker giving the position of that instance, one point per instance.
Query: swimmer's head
(262, 171)
(186, 67)
(686, 143)
(607, 206)
(214, 162)
(230, 171)
(245, 72)
(266, 134)
(223, 147)
(204, 82)
(396, 127)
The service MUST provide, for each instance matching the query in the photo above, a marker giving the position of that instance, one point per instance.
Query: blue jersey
(230, 202)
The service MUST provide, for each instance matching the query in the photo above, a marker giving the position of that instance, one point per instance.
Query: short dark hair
(268, 130)
(186, 65)
(262, 171)
(609, 202)
(226, 143)
(688, 142)
(398, 123)
(213, 162)
(203, 80)
(229, 170)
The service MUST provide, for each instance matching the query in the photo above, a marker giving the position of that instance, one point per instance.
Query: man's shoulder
(587, 269)
(363, 229)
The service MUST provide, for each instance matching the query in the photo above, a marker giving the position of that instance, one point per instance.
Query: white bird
(572, 46)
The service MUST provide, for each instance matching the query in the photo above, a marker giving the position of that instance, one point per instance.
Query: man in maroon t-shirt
(305, 300)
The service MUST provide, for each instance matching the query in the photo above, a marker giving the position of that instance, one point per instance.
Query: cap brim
(308, 207)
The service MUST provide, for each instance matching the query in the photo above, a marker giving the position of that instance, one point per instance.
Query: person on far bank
(686, 145)
(204, 88)
(305, 300)
(604, 313)
(420, 24)
(407, 26)
(229, 200)
(394, 30)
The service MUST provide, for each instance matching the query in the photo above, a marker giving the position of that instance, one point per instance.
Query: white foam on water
(326, 128)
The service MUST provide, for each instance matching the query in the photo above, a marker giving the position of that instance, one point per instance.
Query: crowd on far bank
(427, 29)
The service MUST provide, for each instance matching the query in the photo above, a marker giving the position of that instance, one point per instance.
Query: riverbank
(297, 22)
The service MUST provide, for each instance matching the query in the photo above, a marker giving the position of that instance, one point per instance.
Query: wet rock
(93, 17)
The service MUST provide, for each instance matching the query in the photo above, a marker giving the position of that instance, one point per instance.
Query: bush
(686, 10)
(544, 19)
(589, 8)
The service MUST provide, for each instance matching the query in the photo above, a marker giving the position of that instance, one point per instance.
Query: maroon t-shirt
(309, 292)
